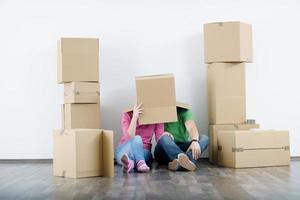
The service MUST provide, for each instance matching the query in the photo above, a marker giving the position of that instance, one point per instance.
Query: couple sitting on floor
(178, 143)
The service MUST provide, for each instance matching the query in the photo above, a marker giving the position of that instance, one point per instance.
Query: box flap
(183, 105)
(158, 115)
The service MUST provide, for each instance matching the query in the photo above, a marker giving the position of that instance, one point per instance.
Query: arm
(137, 111)
(192, 129)
(194, 135)
(193, 132)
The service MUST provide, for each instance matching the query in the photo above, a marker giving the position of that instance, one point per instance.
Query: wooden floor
(35, 181)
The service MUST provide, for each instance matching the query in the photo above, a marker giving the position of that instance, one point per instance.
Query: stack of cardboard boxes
(233, 143)
(81, 148)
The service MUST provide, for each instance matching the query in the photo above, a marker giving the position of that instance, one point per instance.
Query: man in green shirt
(181, 146)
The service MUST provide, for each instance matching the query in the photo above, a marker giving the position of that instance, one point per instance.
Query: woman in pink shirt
(134, 149)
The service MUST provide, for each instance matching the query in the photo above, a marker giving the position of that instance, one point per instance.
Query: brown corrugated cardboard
(81, 92)
(226, 93)
(227, 42)
(157, 93)
(213, 142)
(183, 105)
(178, 105)
(77, 153)
(81, 116)
(78, 59)
(253, 148)
(108, 153)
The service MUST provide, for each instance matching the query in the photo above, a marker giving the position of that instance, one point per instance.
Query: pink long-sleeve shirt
(145, 131)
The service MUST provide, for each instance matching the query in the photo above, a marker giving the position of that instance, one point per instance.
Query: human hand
(137, 111)
(196, 150)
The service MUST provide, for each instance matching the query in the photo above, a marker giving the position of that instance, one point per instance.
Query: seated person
(181, 146)
(134, 149)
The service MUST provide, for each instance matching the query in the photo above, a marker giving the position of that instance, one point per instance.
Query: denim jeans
(135, 150)
(167, 150)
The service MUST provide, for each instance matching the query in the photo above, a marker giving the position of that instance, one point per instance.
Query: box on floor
(227, 42)
(81, 116)
(157, 93)
(83, 153)
(253, 148)
(213, 142)
(81, 92)
(226, 93)
(78, 59)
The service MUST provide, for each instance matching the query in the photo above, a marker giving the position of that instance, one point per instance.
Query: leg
(148, 157)
(139, 155)
(203, 143)
(137, 148)
(125, 157)
(160, 155)
(167, 150)
(123, 149)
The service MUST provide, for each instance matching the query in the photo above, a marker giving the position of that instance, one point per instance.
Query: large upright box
(253, 148)
(81, 92)
(227, 42)
(157, 93)
(226, 93)
(213, 140)
(83, 116)
(82, 153)
(78, 60)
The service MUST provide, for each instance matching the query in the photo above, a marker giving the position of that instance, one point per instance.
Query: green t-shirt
(178, 129)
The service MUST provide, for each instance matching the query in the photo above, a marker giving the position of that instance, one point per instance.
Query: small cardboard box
(226, 93)
(82, 153)
(157, 93)
(227, 42)
(213, 142)
(84, 116)
(81, 92)
(253, 148)
(78, 60)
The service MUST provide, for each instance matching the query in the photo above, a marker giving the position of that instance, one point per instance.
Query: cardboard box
(253, 148)
(78, 60)
(157, 93)
(226, 93)
(81, 116)
(82, 152)
(213, 142)
(227, 42)
(81, 92)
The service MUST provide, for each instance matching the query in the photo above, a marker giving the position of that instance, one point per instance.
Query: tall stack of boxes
(233, 143)
(81, 148)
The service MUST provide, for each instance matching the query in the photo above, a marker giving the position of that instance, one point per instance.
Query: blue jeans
(167, 150)
(135, 150)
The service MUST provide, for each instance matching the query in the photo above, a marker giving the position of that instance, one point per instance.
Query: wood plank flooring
(35, 181)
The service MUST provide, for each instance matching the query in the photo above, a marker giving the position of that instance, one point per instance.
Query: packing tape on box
(78, 93)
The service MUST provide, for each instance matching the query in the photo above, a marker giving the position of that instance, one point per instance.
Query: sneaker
(174, 165)
(185, 162)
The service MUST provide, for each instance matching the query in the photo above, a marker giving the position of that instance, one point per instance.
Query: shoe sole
(185, 162)
(125, 161)
(173, 165)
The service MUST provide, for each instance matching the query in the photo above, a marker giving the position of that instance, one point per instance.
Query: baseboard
(294, 158)
(26, 161)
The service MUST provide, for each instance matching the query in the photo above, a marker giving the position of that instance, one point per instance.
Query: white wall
(139, 38)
